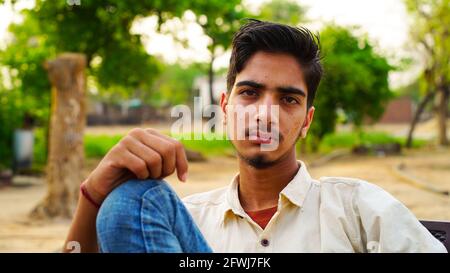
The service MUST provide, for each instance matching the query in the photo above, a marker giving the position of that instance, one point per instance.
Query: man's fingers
(160, 145)
(152, 159)
(181, 162)
(135, 164)
(181, 159)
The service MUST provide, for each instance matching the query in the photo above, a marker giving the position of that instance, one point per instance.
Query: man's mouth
(259, 137)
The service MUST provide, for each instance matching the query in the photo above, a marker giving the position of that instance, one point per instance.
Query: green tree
(355, 82)
(220, 25)
(431, 33)
(175, 84)
(25, 90)
(282, 11)
(100, 29)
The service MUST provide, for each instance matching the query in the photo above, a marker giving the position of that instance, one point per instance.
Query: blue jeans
(147, 216)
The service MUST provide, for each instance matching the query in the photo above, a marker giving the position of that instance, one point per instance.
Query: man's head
(271, 65)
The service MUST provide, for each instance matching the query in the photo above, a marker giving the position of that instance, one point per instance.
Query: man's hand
(142, 154)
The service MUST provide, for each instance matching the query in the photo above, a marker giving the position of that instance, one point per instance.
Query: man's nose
(266, 110)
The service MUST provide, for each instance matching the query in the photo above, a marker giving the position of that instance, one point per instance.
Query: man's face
(268, 81)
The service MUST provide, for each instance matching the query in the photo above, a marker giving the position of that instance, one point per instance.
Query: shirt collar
(295, 192)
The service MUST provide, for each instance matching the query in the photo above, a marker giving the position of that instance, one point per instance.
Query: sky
(385, 21)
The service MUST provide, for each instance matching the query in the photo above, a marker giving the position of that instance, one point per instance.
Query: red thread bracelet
(88, 196)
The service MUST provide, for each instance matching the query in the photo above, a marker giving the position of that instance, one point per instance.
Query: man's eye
(289, 100)
(249, 93)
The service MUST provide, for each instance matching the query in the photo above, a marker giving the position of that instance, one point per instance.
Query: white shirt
(332, 214)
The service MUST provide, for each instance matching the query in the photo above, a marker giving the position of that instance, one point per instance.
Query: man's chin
(258, 161)
(256, 157)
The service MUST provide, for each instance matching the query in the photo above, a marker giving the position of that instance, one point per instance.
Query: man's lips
(259, 137)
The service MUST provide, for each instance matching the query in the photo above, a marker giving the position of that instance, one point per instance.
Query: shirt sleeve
(388, 226)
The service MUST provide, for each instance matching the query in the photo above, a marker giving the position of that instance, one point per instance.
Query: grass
(350, 139)
(96, 146)
(216, 145)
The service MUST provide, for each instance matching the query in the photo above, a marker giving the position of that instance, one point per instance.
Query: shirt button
(265, 242)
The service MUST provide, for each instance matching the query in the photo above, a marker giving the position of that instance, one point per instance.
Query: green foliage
(175, 84)
(131, 66)
(9, 120)
(40, 148)
(118, 65)
(354, 87)
(282, 11)
(412, 90)
(223, 19)
(355, 84)
(101, 29)
(432, 34)
(26, 89)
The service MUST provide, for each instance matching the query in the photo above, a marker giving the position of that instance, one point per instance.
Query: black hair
(277, 38)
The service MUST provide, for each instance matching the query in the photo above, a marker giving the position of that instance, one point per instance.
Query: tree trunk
(67, 122)
(417, 115)
(442, 110)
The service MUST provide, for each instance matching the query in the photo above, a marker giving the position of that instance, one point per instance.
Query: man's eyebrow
(282, 89)
(291, 90)
(253, 84)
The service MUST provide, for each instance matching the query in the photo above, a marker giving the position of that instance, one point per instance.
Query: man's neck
(260, 188)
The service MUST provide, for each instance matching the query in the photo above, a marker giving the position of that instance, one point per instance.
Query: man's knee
(128, 196)
(134, 189)
(120, 212)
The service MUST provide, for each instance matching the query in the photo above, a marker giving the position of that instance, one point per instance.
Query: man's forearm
(82, 235)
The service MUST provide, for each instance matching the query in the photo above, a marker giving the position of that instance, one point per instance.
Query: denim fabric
(147, 216)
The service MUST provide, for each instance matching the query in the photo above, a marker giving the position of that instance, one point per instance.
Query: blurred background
(77, 75)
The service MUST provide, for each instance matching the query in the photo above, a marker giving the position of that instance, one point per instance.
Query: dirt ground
(18, 234)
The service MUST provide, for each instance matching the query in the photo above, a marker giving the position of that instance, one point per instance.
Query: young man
(273, 204)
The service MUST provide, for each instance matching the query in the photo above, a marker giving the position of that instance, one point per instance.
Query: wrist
(96, 197)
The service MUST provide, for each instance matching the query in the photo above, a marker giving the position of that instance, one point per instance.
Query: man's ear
(223, 105)
(307, 123)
